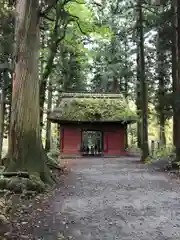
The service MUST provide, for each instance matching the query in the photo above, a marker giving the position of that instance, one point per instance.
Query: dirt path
(107, 199)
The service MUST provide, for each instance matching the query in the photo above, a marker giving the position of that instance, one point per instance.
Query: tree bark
(48, 124)
(25, 149)
(126, 79)
(42, 62)
(2, 115)
(143, 84)
(54, 43)
(138, 100)
(177, 88)
(58, 101)
(174, 64)
(161, 57)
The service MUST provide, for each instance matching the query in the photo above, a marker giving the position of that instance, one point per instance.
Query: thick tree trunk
(143, 84)
(48, 125)
(25, 149)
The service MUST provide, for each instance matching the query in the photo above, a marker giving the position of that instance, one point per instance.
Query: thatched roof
(92, 107)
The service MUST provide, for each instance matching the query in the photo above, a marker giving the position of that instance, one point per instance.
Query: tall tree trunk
(48, 124)
(138, 100)
(58, 101)
(115, 85)
(1, 124)
(42, 62)
(161, 57)
(8, 106)
(2, 115)
(25, 149)
(143, 84)
(54, 43)
(126, 79)
(162, 133)
(174, 64)
(177, 88)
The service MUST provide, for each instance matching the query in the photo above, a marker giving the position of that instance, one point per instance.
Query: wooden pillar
(125, 137)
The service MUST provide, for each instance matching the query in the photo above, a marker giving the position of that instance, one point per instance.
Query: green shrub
(53, 154)
(167, 152)
(134, 149)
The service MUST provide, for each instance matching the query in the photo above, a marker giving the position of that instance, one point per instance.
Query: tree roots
(21, 181)
(19, 184)
(4, 220)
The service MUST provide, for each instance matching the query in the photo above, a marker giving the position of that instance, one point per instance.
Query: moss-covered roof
(92, 107)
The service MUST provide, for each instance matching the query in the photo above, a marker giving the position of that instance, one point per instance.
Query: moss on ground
(19, 184)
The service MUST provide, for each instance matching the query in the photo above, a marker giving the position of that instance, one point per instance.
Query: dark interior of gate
(92, 143)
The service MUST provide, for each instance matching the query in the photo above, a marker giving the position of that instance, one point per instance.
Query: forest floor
(104, 199)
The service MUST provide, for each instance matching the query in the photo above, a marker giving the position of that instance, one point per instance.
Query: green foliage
(53, 155)
(81, 10)
(134, 150)
(161, 153)
(148, 160)
(86, 20)
(1, 169)
(90, 109)
(20, 184)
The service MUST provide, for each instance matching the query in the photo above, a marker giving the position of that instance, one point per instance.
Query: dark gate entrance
(92, 143)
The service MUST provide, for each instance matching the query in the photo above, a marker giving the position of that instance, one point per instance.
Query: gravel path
(108, 199)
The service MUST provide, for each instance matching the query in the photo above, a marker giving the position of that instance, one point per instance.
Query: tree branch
(78, 2)
(64, 33)
(76, 20)
(49, 18)
(48, 9)
(66, 1)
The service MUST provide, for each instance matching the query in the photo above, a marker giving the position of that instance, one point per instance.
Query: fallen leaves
(60, 236)
(4, 220)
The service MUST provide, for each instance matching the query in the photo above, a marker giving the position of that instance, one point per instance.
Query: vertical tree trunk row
(174, 64)
(143, 86)
(2, 113)
(48, 124)
(177, 86)
(161, 57)
(138, 99)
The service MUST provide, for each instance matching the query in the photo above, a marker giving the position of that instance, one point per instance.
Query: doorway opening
(92, 143)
